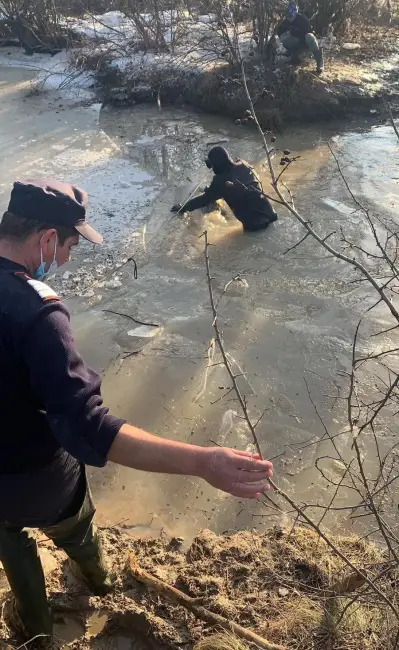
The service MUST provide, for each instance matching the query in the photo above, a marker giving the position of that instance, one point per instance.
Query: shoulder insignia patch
(45, 292)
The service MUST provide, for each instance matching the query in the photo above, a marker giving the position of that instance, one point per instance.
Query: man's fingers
(243, 476)
(239, 473)
(176, 208)
(249, 491)
(253, 464)
(247, 454)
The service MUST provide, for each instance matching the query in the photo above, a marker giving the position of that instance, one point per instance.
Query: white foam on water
(144, 331)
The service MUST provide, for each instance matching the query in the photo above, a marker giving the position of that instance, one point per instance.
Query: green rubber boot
(94, 570)
(79, 538)
(27, 613)
(319, 57)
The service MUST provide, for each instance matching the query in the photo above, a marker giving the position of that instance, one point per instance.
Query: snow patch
(53, 73)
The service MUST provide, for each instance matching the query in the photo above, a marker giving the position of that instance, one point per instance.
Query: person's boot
(28, 612)
(94, 571)
(14, 621)
(319, 56)
(99, 583)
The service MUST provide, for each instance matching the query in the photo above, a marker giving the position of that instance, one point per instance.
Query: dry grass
(279, 584)
(220, 641)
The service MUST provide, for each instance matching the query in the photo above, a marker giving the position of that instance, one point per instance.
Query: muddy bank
(285, 585)
(354, 83)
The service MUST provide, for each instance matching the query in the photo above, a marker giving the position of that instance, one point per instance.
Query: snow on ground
(198, 45)
(117, 26)
(195, 40)
(112, 24)
(53, 73)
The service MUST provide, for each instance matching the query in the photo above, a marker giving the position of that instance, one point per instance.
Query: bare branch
(395, 128)
(297, 244)
(242, 401)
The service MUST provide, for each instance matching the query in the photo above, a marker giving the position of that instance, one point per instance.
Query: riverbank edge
(282, 95)
(284, 585)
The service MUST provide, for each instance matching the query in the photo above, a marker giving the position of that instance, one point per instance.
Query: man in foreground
(238, 184)
(53, 420)
(296, 35)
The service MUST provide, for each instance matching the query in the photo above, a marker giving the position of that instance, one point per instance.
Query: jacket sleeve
(68, 389)
(303, 26)
(306, 25)
(211, 193)
(284, 26)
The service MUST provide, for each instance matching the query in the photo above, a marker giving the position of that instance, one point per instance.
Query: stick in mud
(201, 612)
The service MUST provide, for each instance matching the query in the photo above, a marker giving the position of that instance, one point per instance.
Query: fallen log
(180, 598)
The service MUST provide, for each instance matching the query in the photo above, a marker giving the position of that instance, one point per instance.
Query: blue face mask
(41, 273)
(292, 12)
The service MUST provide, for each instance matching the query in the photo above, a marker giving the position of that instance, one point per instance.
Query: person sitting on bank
(238, 184)
(296, 35)
(53, 419)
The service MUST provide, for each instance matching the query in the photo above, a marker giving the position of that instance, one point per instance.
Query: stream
(288, 325)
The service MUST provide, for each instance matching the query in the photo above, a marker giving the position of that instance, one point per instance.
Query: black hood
(220, 160)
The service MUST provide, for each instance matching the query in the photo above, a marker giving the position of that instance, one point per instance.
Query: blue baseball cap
(292, 9)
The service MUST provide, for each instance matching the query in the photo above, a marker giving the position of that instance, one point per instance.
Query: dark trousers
(77, 536)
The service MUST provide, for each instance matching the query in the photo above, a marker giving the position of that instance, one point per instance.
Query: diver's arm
(209, 195)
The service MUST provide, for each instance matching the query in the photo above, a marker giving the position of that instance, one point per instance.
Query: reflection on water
(96, 623)
(67, 630)
(159, 144)
(173, 143)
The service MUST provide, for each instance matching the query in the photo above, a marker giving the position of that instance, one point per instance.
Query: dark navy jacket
(298, 28)
(52, 417)
(238, 184)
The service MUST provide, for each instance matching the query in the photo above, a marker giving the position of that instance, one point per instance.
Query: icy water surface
(288, 326)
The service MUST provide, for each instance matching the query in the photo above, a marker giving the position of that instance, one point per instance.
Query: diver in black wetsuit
(238, 184)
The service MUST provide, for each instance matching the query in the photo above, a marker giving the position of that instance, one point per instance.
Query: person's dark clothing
(238, 184)
(50, 401)
(298, 28)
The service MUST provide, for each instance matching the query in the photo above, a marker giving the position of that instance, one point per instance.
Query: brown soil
(285, 585)
(350, 85)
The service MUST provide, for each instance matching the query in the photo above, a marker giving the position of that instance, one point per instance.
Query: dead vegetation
(284, 585)
(281, 94)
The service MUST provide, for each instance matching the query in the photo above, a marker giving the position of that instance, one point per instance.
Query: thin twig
(135, 320)
(290, 206)
(297, 244)
(395, 128)
(301, 511)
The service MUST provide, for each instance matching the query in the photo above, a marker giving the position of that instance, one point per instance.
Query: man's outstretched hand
(239, 473)
(176, 208)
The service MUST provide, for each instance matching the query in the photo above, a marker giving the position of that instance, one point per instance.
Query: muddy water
(288, 327)
(291, 320)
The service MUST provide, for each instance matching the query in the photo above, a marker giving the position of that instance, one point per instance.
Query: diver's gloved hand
(176, 208)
